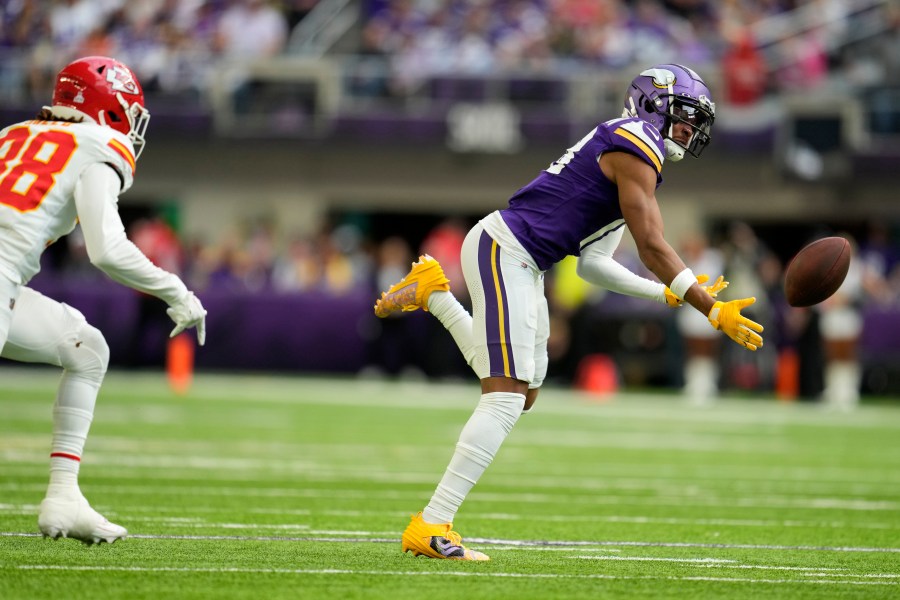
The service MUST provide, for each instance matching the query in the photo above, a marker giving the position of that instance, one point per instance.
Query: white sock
(63, 476)
(72, 416)
(493, 419)
(455, 319)
(842, 384)
(701, 378)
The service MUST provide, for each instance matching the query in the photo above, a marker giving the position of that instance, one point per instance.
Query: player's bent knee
(86, 353)
(505, 407)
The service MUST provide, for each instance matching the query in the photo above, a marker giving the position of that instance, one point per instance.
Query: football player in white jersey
(69, 165)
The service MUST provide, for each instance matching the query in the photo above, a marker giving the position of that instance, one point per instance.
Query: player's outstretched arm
(637, 185)
(597, 266)
(110, 250)
(636, 182)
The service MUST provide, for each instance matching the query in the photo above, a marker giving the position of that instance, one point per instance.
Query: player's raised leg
(45, 331)
(426, 287)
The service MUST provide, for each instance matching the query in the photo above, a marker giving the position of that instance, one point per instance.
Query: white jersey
(41, 163)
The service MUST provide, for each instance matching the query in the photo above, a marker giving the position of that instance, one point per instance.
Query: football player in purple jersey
(580, 205)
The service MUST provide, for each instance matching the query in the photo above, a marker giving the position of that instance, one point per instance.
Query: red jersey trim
(123, 152)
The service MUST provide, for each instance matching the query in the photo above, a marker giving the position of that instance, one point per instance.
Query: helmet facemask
(698, 118)
(138, 120)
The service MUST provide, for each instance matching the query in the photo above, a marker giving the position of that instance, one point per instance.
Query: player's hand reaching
(187, 313)
(727, 317)
(713, 290)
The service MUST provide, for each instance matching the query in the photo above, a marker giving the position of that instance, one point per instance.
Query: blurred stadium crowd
(174, 44)
(170, 44)
(426, 38)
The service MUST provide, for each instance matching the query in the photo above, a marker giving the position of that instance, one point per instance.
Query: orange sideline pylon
(180, 363)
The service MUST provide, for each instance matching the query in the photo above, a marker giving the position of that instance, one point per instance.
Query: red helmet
(106, 91)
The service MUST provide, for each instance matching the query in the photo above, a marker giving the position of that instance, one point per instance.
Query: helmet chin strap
(674, 151)
(630, 111)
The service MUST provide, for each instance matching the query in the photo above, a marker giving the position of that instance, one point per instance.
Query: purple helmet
(669, 94)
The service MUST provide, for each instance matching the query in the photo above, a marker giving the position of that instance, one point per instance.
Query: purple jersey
(556, 214)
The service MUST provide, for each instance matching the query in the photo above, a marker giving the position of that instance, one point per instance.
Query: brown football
(817, 271)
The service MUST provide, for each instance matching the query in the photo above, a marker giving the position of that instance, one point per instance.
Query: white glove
(188, 313)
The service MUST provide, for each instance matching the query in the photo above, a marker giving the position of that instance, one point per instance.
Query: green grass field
(276, 487)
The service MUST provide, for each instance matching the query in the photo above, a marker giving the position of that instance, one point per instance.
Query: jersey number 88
(30, 163)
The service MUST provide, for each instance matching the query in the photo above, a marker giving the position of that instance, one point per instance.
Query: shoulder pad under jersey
(639, 138)
(111, 147)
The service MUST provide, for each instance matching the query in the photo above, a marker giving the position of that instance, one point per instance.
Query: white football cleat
(72, 516)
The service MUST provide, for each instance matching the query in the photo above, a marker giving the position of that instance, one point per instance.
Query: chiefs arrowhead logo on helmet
(121, 80)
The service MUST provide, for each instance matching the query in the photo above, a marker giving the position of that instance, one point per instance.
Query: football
(817, 271)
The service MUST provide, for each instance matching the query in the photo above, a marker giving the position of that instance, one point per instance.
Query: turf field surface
(271, 487)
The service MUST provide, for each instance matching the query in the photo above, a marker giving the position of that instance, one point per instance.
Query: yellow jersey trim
(503, 348)
(642, 145)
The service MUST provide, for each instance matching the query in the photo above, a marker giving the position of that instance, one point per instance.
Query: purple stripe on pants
(498, 343)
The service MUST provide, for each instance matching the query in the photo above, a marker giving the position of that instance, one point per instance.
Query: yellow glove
(713, 290)
(726, 316)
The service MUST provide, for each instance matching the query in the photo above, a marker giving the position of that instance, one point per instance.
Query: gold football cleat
(412, 292)
(436, 541)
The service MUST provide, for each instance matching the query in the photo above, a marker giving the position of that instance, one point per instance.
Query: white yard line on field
(555, 549)
(28, 509)
(864, 575)
(331, 461)
(372, 573)
(583, 544)
(711, 563)
(566, 497)
(697, 561)
(652, 520)
(257, 454)
(321, 538)
(364, 467)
